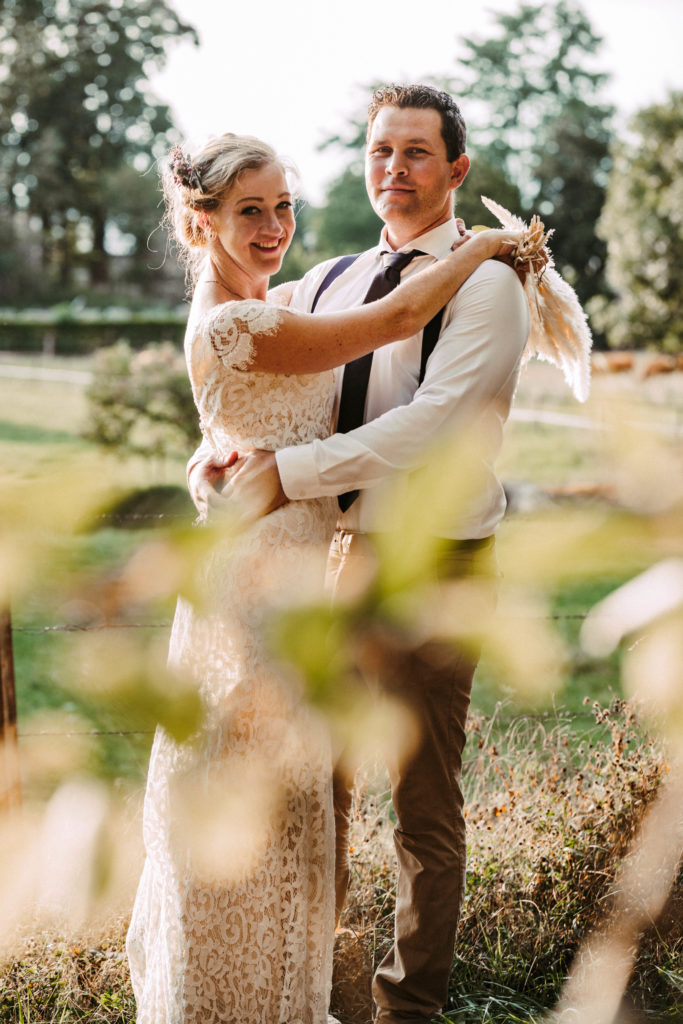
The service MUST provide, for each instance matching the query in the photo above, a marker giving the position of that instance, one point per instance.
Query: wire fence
(106, 626)
(75, 628)
(86, 732)
(10, 786)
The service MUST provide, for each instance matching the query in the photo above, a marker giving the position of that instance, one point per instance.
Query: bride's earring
(207, 227)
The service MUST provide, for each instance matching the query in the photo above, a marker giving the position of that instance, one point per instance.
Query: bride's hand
(494, 244)
(492, 241)
(207, 480)
(497, 242)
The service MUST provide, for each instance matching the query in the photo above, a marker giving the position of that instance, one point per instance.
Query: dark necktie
(357, 373)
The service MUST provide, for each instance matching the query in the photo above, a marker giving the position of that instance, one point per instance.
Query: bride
(234, 916)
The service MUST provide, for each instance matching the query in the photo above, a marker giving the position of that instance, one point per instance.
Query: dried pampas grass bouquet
(559, 327)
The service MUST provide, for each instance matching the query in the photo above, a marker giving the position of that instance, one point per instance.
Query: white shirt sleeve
(472, 370)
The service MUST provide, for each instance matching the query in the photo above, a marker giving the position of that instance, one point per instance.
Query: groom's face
(408, 175)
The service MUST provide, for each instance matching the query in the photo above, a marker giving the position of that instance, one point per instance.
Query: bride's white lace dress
(234, 916)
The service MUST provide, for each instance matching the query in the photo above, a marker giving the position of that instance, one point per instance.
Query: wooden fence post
(10, 778)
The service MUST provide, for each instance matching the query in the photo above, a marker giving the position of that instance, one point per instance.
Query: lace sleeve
(232, 327)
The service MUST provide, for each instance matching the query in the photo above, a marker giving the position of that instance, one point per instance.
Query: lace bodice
(250, 409)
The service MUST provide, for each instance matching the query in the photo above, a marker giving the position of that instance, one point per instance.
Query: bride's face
(255, 222)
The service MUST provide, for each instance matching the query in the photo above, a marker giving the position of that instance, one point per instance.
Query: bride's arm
(305, 343)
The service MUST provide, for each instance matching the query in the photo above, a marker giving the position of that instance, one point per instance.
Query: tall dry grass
(551, 818)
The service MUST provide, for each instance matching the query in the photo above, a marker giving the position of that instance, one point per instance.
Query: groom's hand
(255, 487)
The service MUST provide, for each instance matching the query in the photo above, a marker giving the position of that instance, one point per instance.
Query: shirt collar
(436, 243)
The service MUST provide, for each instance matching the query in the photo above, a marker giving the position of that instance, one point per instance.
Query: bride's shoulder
(241, 316)
(230, 330)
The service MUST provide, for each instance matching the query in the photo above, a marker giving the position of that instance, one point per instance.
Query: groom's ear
(459, 169)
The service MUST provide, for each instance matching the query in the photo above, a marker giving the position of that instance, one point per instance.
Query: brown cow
(660, 364)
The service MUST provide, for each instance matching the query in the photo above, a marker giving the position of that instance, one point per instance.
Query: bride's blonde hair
(195, 185)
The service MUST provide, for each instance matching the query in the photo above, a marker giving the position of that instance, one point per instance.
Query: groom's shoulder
(496, 277)
(492, 293)
(495, 271)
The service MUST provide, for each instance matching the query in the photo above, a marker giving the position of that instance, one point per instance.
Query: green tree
(75, 110)
(484, 179)
(533, 108)
(347, 222)
(641, 226)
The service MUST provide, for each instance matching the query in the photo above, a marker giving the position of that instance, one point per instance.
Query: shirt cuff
(298, 472)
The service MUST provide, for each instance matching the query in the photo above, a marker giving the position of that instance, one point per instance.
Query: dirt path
(52, 374)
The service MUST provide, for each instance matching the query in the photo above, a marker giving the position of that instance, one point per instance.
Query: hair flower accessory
(184, 171)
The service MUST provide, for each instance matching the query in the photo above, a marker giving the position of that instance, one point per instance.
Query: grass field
(511, 961)
(40, 426)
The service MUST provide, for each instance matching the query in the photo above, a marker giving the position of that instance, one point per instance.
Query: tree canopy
(538, 134)
(347, 222)
(642, 226)
(77, 117)
(533, 107)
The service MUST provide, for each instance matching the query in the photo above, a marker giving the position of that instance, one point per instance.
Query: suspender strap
(338, 268)
(430, 336)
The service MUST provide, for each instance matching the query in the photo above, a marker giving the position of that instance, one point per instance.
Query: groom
(415, 161)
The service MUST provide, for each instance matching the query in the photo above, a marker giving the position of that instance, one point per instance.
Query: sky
(293, 73)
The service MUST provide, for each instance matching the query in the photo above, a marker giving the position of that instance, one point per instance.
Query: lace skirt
(234, 915)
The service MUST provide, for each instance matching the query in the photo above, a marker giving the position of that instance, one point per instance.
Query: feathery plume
(559, 327)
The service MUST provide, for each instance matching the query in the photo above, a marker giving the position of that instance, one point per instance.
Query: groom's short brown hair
(453, 129)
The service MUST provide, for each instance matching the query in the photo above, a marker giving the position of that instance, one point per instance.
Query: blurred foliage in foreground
(550, 818)
(561, 812)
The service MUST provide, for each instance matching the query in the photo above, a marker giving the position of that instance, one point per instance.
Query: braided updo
(194, 186)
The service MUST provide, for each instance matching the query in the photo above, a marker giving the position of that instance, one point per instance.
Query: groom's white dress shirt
(468, 386)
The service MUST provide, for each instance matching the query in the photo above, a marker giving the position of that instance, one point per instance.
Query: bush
(71, 328)
(141, 402)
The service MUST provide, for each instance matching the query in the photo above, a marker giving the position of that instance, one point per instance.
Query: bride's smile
(255, 222)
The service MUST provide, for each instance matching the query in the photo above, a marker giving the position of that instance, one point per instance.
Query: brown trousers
(434, 681)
